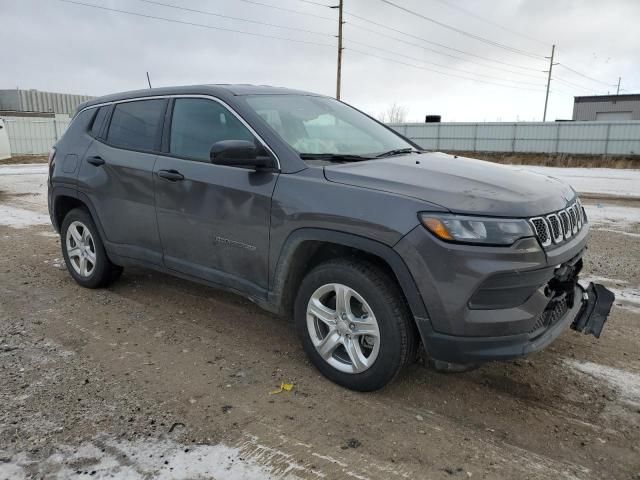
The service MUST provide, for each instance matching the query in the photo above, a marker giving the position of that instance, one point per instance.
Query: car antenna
(149, 80)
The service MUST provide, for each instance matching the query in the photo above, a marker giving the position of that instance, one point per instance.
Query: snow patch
(626, 384)
(24, 169)
(620, 232)
(604, 213)
(141, 459)
(21, 218)
(618, 182)
(629, 295)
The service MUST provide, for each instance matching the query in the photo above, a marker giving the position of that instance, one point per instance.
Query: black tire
(398, 339)
(104, 271)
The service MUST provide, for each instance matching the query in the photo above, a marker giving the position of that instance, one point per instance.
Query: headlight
(490, 231)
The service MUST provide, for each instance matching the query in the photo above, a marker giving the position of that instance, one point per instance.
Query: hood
(461, 185)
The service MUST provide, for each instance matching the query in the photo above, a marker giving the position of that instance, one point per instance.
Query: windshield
(324, 126)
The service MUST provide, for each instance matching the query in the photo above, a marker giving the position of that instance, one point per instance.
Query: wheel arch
(64, 199)
(307, 247)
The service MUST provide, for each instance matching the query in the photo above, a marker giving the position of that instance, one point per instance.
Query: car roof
(222, 90)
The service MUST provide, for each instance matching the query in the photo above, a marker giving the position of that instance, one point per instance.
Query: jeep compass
(317, 212)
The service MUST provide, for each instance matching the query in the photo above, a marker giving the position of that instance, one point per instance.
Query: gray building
(36, 101)
(607, 107)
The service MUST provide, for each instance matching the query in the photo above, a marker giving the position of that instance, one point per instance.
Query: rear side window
(98, 121)
(136, 125)
(199, 123)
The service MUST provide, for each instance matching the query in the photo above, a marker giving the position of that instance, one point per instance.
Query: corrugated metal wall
(34, 136)
(586, 110)
(37, 101)
(595, 138)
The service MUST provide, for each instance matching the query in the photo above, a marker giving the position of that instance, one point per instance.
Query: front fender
(295, 240)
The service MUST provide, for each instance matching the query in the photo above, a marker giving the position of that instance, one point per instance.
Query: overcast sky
(55, 46)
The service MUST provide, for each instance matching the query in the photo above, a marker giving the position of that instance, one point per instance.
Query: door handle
(97, 161)
(171, 175)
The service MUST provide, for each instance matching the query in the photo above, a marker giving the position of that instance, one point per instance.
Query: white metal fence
(594, 138)
(34, 136)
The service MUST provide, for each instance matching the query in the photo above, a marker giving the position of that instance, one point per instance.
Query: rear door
(117, 176)
(213, 220)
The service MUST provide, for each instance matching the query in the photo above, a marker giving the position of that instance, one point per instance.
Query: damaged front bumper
(587, 311)
(596, 305)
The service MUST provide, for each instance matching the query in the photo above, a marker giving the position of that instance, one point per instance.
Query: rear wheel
(84, 252)
(354, 324)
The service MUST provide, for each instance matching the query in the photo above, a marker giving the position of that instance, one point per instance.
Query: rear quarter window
(136, 125)
(98, 121)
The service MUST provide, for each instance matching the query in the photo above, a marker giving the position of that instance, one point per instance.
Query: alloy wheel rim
(343, 328)
(81, 249)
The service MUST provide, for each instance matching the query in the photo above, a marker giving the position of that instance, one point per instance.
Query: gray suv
(317, 212)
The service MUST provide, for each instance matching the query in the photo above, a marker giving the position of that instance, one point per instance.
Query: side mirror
(239, 153)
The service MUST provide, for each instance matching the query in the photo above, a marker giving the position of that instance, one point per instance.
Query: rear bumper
(588, 314)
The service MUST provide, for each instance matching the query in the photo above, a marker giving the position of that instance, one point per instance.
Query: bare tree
(393, 114)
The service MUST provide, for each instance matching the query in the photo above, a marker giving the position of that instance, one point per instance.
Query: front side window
(198, 123)
(136, 125)
(323, 126)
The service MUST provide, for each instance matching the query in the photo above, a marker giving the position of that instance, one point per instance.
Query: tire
(359, 361)
(84, 252)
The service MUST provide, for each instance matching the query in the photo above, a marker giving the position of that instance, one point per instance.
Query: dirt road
(160, 377)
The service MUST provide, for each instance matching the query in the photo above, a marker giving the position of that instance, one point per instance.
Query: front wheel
(354, 324)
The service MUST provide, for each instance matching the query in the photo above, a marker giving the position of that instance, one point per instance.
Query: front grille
(574, 222)
(556, 228)
(560, 226)
(566, 223)
(552, 314)
(542, 230)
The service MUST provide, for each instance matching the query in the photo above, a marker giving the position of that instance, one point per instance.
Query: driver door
(213, 220)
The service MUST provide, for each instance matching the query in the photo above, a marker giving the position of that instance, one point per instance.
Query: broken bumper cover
(596, 305)
(587, 316)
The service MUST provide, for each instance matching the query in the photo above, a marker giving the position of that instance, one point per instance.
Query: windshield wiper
(398, 151)
(335, 157)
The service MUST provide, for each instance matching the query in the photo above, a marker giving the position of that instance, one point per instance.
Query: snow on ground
(612, 217)
(627, 296)
(20, 217)
(28, 179)
(24, 169)
(626, 384)
(155, 458)
(24, 188)
(602, 181)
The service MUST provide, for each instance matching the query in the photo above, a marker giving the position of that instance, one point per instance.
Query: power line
(192, 24)
(438, 64)
(555, 91)
(587, 76)
(463, 32)
(310, 2)
(439, 72)
(204, 12)
(441, 53)
(574, 85)
(289, 10)
(491, 22)
(377, 24)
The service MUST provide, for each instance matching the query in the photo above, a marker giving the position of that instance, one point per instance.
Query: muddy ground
(159, 377)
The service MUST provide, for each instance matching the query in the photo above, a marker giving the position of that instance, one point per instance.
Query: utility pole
(546, 98)
(148, 80)
(618, 89)
(339, 72)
